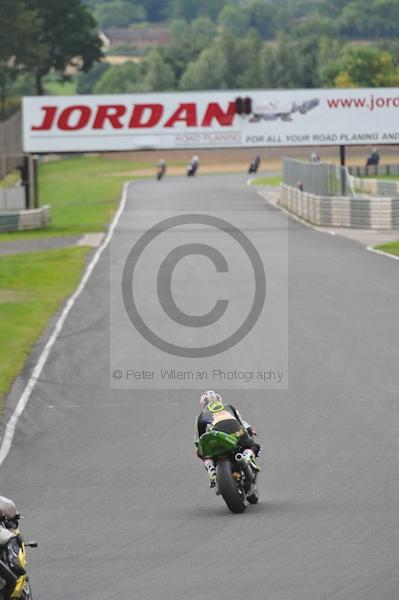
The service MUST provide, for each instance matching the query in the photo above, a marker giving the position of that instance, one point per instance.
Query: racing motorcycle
(161, 170)
(14, 581)
(192, 167)
(235, 478)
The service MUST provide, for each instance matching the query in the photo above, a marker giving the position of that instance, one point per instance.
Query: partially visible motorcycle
(14, 580)
(235, 478)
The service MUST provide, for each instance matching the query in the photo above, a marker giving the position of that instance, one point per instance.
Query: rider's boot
(210, 467)
(250, 457)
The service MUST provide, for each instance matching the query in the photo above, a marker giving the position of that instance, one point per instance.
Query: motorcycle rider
(224, 417)
(254, 166)
(9, 537)
(161, 169)
(193, 166)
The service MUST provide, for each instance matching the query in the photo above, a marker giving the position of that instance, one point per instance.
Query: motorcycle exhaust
(242, 461)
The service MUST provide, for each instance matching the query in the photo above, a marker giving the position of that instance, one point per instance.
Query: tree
(291, 63)
(362, 66)
(187, 43)
(322, 27)
(20, 32)
(249, 61)
(206, 73)
(203, 31)
(364, 19)
(68, 36)
(119, 13)
(190, 9)
(159, 76)
(229, 50)
(156, 10)
(234, 19)
(87, 81)
(263, 16)
(185, 9)
(121, 79)
(20, 26)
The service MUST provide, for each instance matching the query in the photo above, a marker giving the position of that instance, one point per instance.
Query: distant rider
(193, 166)
(224, 417)
(161, 169)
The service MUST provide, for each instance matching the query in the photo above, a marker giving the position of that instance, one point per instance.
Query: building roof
(133, 35)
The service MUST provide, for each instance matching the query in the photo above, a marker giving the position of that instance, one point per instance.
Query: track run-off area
(108, 480)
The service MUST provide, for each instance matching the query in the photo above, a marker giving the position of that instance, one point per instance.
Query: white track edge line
(12, 423)
(387, 254)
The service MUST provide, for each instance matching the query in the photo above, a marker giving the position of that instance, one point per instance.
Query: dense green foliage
(218, 44)
(214, 44)
(226, 61)
(354, 19)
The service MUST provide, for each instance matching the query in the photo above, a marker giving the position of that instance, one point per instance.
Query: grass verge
(386, 177)
(390, 248)
(32, 288)
(276, 180)
(83, 193)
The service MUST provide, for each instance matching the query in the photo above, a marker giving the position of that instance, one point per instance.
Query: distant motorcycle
(192, 167)
(235, 479)
(373, 159)
(14, 581)
(161, 171)
(254, 165)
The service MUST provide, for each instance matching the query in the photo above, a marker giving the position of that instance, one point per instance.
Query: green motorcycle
(235, 479)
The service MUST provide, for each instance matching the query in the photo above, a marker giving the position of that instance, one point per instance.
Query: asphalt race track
(109, 484)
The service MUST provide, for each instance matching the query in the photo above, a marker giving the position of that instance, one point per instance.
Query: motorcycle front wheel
(228, 487)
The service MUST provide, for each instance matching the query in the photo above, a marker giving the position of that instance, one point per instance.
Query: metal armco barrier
(342, 211)
(17, 220)
(364, 171)
(322, 179)
(375, 187)
(10, 144)
(12, 198)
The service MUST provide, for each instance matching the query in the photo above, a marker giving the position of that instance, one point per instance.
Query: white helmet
(7, 508)
(210, 396)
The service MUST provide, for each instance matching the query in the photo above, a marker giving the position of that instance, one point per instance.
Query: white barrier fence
(17, 220)
(375, 187)
(12, 198)
(341, 211)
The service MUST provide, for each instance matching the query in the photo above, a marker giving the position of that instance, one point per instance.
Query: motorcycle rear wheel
(232, 494)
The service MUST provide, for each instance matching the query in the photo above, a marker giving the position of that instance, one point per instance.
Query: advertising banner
(211, 119)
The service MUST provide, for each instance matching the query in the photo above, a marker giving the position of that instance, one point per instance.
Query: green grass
(276, 180)
(390, 248)
(387, 177)
(32, 288)
(83, 193)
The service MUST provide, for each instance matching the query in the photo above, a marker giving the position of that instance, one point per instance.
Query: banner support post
(342, 156)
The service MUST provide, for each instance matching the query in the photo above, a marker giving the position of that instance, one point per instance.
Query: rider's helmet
(210, 396)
